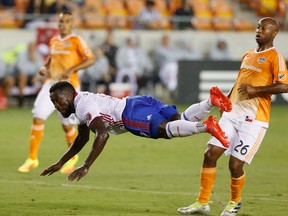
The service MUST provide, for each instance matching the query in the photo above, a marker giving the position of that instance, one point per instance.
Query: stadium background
(136, 176)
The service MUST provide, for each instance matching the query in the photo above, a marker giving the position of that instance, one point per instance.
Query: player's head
(62, 96)
(65, 23)
(266, 30)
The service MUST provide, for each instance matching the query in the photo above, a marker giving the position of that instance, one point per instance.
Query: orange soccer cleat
(214, 129)
(220, 100)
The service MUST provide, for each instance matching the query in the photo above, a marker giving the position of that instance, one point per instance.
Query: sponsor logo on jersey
(282, 77)
(88, 117)
(261, 60)
(250, 67)
(64, 52)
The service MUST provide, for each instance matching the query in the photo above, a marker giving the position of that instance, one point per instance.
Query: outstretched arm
(260, 91)
(82, 65)
(101, 137)
(79, 142)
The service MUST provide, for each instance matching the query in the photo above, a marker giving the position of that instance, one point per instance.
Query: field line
(282, 197)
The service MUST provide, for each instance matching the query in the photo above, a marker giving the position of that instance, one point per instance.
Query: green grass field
(135, 176)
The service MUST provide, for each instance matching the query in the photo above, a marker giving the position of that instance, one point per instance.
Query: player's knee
(161, 131)
(235, 168)
(38, 121)
(67, 128)
(175, 117)
(210, 158)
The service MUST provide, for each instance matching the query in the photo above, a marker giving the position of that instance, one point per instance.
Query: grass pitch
(135, 176)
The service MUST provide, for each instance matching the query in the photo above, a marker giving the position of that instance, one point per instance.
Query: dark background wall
(195, 78)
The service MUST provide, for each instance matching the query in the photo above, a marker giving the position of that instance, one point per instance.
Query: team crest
(88, 117)
(282, 77)
(261, 60)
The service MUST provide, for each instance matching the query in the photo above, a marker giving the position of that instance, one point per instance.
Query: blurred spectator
(92, 40)
(97, 74)
(130, 61)
(34, 13)
(187, 51)
(149, 17)
(3, 98)
(64, 5)
(185, 14)
(5, 81)
(220, 50)
(79, 3)
(110, 50)
(59, 5)
(9, 58)
(148, 70)
(28, 65)
(7, 3)
(2, 68)
(167, 56)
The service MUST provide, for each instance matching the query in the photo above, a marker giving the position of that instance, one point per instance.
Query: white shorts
(43, 107)
(245, 138)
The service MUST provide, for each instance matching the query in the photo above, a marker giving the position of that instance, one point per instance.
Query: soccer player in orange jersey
(262, 73)
(68, 54)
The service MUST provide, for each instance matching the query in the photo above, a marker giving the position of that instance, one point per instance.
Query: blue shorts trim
(143, 115)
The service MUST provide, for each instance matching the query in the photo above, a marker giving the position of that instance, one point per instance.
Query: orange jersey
(258, 69)
(66, 53)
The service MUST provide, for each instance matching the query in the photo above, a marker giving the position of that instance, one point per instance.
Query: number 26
(243, 149)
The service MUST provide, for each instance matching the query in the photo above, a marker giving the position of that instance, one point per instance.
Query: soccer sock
(236, 186)
(36, 135)
(198, 111)
(70, 136)
(180, 128)
(207, 179)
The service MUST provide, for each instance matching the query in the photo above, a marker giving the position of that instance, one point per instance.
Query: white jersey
(88, 106)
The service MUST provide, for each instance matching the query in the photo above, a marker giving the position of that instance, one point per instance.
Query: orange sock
(207, 179)
(70, 136)
(36, 135)
(236, 186)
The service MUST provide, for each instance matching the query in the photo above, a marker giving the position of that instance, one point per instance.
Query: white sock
(198, 111)
(181, 128)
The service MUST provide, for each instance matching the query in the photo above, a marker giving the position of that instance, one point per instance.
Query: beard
(67, 112)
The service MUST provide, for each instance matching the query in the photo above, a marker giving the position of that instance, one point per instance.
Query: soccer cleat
(28, 165)
(214, 129)
(196, 208)
(69, 166)
(218, 99)
(231, 209)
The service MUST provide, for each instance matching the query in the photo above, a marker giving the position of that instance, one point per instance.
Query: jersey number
(243, 149)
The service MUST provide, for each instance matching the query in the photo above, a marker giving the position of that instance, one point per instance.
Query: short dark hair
(66, 11)
(62, 86)
(150, 3)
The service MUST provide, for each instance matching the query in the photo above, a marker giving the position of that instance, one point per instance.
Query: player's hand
(43, 71)
(51, 169)
(78, 173)
(247, 89)
(66, 74)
